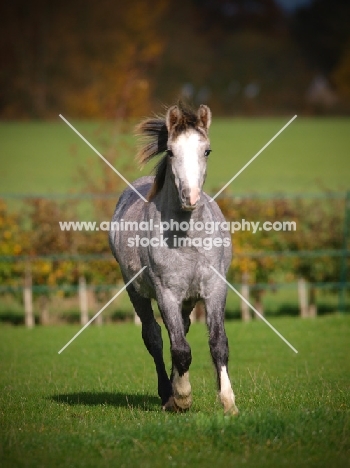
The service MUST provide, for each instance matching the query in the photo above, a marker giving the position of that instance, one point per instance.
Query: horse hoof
(231, 411)
(183, 402)
(169, 405)
(178, 404)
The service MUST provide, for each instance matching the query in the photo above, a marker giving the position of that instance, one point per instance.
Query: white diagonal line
(103, 308)
(254, 157)
(253, 308)
(103, 158)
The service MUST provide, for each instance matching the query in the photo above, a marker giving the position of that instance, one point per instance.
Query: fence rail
(236, 196)
(86, 299)
(45, 288)
(101, 256)
(82, 288)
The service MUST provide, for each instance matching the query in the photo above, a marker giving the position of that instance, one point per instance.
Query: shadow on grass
(122, 400)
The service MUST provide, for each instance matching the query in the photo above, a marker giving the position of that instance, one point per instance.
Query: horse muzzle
(189, 198)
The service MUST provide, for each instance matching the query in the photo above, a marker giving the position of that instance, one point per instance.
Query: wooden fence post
(44, 310)
(258, 302)
(312, 302)
(93, 303)
(99, 320)
(198, 313)
(137, 320)
(245, 312)
(83, 302)
(28, 298)
(193, 315)
(303, 298)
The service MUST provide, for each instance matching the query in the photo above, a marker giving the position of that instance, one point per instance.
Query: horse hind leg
(152, 337)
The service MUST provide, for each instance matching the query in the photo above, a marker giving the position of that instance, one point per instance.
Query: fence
(86, 291)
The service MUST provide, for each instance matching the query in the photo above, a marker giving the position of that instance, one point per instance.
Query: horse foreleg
(177, 326)
(152, 337)
(181, 384)
(219, 352)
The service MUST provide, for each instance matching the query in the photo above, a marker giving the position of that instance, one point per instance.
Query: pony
(176, 259)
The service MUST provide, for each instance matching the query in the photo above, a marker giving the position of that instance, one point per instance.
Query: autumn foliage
(32, 233)
(319, 227)
(113, 59)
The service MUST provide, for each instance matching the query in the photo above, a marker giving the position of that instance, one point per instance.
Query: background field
(96, 403)
(310, 155)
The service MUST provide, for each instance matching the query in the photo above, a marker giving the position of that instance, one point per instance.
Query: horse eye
(207, 152)
(170, 153)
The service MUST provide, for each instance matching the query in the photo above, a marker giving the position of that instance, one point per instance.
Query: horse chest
(179, 272)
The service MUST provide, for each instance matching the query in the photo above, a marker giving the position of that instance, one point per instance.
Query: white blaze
(189, 145)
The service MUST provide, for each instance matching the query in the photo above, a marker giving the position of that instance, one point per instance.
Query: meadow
(96, 404)
(309, 156)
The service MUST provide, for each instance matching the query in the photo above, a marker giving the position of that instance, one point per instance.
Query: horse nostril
(189, 197)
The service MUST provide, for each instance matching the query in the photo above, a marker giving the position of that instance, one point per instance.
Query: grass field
(95, 405)
(311, 154)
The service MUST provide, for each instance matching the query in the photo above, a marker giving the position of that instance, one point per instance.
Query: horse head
(188, 148)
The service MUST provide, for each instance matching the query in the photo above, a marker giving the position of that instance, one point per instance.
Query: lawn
(95, 405)
(310, 155)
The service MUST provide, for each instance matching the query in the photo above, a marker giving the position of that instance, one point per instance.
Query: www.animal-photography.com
(175, 234)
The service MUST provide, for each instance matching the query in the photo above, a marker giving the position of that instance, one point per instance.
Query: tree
(92, 59)
(322, 31)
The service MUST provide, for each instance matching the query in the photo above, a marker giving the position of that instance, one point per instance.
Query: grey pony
(177, 276)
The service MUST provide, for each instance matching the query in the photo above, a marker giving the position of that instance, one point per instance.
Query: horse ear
(172, 117)
(204, 117)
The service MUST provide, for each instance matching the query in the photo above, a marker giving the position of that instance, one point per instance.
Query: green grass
(95, 405)
(310, 154)
(42, 157)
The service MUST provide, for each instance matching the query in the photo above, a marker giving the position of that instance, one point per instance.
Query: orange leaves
(10, 234)
(319, 225)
